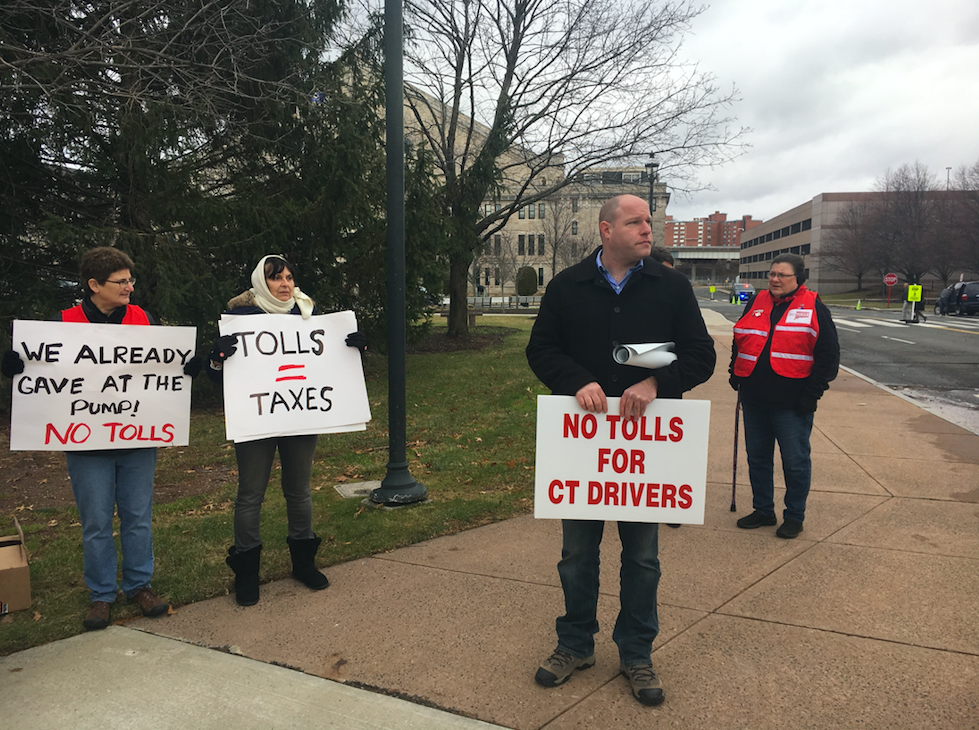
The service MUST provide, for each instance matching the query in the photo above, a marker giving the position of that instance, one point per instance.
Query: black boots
(303, 566)
(245, 565)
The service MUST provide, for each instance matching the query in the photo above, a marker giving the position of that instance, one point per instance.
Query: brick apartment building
(714, 230)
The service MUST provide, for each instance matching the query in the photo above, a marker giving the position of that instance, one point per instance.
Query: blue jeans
(104, 481)
(637, 624)
(762, 428)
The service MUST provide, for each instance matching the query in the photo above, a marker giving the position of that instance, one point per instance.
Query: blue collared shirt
(617, 286)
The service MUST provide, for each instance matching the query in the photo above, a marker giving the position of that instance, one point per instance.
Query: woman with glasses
(784, 356)
(105, 482)
(273, 291)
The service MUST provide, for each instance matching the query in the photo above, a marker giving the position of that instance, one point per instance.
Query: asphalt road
(935, 363)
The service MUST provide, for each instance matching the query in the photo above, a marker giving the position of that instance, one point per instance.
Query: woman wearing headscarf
(273, 291)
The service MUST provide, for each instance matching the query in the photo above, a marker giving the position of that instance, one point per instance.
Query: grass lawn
(470, 438)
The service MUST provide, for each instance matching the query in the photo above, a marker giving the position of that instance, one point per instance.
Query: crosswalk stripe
(884, 323)
(850, 323)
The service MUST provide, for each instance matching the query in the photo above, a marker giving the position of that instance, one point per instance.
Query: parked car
(967, 299)
(742, 293)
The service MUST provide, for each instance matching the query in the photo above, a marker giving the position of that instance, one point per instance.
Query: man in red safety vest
(785, 354)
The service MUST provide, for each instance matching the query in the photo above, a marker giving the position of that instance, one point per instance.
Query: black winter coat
(582, 319)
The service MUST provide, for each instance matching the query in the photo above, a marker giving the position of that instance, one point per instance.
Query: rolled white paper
(650, 355)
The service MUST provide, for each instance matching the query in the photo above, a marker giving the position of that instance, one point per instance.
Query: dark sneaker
(98, 616)
(149, 603)
(756, 519)
(646, 686)
(789, 530)
(559, 667)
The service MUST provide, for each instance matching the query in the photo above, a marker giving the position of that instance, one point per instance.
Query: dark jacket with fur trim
(244, 303)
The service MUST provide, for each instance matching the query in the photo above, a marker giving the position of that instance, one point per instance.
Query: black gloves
(193, 366)
(224, 347)
(806, 404)
(734, 381)
(12, 364)
(357, 339)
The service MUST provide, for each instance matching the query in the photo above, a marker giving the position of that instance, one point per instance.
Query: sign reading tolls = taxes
(291, 376)
(100, 386)
(599, 466)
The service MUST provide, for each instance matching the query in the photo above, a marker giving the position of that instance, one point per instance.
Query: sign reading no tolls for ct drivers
(100, 386)
(597, 466)
(292, 376)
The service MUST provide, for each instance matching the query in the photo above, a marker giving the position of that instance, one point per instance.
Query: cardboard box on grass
(15, 575)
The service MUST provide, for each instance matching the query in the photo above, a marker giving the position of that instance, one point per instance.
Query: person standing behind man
(112, 480)
(784, 356)
(616, 295)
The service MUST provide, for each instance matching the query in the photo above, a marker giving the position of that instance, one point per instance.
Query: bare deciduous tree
(851, 247)
(522, 95)
(558, 227)
(966, 215)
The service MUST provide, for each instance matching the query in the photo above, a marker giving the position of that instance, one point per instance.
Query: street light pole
(651, 168)
(398, 486)
(948, 177)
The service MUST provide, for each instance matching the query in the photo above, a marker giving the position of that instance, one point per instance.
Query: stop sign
(890, 279)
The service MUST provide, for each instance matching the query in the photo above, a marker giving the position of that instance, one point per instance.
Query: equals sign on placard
(284, 371)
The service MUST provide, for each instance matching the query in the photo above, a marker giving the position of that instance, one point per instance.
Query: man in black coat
(616, 295)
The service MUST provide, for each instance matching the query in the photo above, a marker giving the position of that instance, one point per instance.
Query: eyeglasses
(776, 275)
(122, 282)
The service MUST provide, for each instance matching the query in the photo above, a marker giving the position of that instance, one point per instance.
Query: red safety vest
(134, 315)
(792, 342)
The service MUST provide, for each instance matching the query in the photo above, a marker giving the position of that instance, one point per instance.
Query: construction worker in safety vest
(784, 355)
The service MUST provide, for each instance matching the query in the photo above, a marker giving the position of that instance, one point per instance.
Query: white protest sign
(100, 386)
(597, 466)
(292, 376)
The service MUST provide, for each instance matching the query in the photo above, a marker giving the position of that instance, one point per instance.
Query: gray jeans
(255, 468)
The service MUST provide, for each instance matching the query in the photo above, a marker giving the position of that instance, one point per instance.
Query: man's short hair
(660, 254)
(608, 209)
(100, 263)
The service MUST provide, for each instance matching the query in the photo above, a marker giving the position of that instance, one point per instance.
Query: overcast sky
(836, 92)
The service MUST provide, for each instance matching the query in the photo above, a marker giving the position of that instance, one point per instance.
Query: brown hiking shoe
(98, 616)
(149, 603)
(559, 667)
(646, 686)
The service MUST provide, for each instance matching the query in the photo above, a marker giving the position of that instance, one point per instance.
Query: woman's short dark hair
(102, 262)
(797, 263)
(276, 264)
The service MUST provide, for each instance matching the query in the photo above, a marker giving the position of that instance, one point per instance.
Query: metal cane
(734, 471)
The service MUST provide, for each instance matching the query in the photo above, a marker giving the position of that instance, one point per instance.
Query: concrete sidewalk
(869, 619)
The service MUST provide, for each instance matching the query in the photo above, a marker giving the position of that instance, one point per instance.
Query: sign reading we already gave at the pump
(291, 376)
(100, 386)
(598, 466)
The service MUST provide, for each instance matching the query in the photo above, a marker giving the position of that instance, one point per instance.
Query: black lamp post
(398, 486)
(651, 167)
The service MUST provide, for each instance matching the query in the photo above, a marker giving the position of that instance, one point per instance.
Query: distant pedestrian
(784, 355)
(914, 308)
(944, 300)
(616, 294)
(907, 306)
(661, 254)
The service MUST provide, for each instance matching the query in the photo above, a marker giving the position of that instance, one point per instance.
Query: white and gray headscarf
(268, 303)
